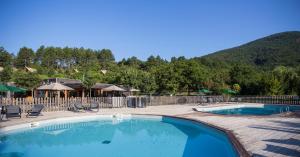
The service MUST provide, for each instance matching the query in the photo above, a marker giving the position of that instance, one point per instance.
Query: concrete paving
(260, 135)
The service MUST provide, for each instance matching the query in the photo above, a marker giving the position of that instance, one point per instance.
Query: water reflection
(157, 138)
(12, 154)
(91, 132)
(63, 134)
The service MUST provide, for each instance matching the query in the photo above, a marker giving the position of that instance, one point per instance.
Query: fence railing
(284, 99)
(64, 104)
(171, 100)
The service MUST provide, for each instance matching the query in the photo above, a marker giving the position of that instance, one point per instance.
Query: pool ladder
(287, 109)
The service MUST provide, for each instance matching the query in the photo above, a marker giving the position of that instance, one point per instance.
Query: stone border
(38, 123)
(234, 141)
(238, 115)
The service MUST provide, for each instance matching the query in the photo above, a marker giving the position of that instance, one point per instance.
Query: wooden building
(98, 90)
(79, 90)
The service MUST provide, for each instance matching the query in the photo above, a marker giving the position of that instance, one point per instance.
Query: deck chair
(78, 106)
(216, 100)
(233, 99)
(210, 100)
(2, 108)
(239, 99)
(13, 111)
(204, 100)
(36, 110)
(221, 99)
(94, 106)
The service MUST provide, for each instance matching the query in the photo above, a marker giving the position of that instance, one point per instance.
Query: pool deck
(260, 135)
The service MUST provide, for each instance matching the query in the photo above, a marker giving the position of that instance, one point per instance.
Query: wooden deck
(261, 136)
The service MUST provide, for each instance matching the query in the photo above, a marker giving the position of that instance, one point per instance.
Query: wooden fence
(64, 104)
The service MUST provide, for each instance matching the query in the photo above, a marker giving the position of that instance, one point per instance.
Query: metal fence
(284, 99)
(64, 104)
(172, 100)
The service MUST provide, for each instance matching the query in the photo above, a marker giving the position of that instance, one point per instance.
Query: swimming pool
(255, 109)
(130, 137)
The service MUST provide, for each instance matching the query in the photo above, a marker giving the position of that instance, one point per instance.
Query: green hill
(268, 52)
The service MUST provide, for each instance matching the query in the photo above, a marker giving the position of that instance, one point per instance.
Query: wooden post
(82, 93)
(66, 93)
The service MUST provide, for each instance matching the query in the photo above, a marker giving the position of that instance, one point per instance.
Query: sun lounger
(78, 106)
(13, 111)
(203, 101)
(216, 100)
(233, 100)
(239, 99)
(94, 105)
(221, 99)
(2, 108)
(210, 100)
(35, 111)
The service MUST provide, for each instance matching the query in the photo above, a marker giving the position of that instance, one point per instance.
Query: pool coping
(239, 115)
(239, 148)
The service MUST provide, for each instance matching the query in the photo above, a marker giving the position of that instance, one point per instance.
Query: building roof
(101, 85)
(32, 70)
(107, 87)
(103, 71)
(129, 89)
(75, 84)
(54, 86)
(62, 80)
(113, 88)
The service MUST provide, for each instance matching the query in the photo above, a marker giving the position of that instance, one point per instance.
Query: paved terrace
(261, 136)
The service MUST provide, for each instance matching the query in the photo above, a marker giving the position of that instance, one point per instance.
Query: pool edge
(242, 152)
(232, 138)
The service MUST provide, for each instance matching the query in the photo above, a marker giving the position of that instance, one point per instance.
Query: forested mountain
(268, 52)
(267, 66)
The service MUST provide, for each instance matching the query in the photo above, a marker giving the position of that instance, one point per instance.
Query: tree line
(153, 76)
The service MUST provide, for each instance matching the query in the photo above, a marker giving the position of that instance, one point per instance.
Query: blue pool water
(136, 137)
(265, 110)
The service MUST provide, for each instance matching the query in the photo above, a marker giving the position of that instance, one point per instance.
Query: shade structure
(133, 90)
(6, 88)
(206, 91)
(229, 91)
(3, 88)
(54, 86)
(16, 89)
(113, 88)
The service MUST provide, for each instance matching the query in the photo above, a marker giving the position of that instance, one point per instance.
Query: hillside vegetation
(268, 52)
(267, 66)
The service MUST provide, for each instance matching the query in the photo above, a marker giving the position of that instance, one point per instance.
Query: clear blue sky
(144, 27)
